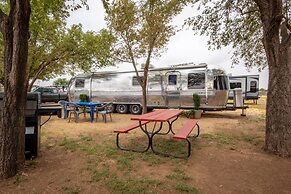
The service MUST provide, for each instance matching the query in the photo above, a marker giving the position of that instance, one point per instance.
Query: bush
(196, 99)
(83, 98)
(189, 113)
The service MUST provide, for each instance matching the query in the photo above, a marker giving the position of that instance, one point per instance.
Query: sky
(184, 47)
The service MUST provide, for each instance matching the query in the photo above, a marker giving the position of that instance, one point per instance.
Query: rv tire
(122, 108)
(135, 109)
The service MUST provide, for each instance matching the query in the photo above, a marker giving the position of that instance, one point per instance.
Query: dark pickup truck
(51, 94)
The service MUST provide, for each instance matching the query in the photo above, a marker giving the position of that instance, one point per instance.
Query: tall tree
(14, 27)
(260, 33)
(56, 49)
(143, 29)
(61, 82)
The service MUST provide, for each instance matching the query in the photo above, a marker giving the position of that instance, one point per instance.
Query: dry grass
(226, 158)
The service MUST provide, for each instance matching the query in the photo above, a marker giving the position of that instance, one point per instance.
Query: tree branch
(44, 65)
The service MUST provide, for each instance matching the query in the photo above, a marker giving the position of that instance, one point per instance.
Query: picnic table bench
(160, 116)
(126, 129)
(184, 132)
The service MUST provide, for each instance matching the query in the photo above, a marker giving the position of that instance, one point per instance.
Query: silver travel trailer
(168, 87)
(249, 84)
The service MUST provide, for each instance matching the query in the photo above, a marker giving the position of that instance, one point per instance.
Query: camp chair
(75, 110)
(63, 103)
(104, 110)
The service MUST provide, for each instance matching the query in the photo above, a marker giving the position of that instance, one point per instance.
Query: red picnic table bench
(160, 116)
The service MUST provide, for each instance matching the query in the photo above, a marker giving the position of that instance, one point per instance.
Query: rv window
(253, 87)
(196, 80)
(215, 83)
(234, 85)
(135, 82)
(220, 83)
(80, 83)
(172, 80)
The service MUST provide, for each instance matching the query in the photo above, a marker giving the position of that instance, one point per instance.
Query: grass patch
(100, 175)
(247, 138)
(180, 179)
(69, 190)
(124, 161)
(252, 139)
(18, 179)
(69, 144)
(87, 145)
(32, 163)
(132, 185)
(86, 138)
(109, 151)
(232, 140)
(153, 159)
(182, 187)
(220, 138)
(178, 175)
(90, 149)
(170, 146)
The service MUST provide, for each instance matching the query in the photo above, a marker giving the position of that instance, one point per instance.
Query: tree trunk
(278, 120)
(12, 135)
(145, 86)
(278, 50)
(144, 100)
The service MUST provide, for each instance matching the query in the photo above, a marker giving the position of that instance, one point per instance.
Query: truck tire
(135, 109)
(122, 108)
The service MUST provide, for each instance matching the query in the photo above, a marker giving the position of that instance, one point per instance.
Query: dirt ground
(227, 157)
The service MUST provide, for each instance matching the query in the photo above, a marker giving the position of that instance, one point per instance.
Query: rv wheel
(122, 108)
(135, 109)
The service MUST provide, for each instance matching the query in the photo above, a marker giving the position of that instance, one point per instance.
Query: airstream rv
(249, 84)
(168, 87)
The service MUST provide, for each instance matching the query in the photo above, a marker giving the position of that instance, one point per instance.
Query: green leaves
(55, 49)
(233, 23)
(142, 27)
(61, 82)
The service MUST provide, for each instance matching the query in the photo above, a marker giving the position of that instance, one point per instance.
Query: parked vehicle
(249, 84)
(51, 94)
(168, 87)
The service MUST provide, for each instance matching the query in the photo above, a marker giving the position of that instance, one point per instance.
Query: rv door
(79, 86)
(173, 87)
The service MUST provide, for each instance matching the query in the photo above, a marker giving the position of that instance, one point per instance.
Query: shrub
(189, 113)
(196, 99)
(83, 98)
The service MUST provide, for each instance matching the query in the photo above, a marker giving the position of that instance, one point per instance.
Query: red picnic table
(159, 116)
